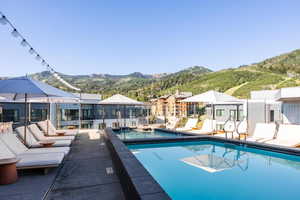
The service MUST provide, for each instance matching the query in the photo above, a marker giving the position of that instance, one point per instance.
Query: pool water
(211, 170)
(131, 134)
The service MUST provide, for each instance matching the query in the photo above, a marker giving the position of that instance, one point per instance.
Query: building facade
(88, 112)
(169, 106)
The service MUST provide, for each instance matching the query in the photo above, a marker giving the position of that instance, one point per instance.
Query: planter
(8, 171)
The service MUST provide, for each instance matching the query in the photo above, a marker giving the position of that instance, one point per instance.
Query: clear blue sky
(120, 37)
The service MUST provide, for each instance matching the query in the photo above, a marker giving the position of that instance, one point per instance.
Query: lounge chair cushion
(64, 150)
(288, 135)
(5, 152)
(286, 143)
(30, 139)
(52, 130)
(32, 142)
(40, 160)
(263, 132)
(38, 134)
(14, 144)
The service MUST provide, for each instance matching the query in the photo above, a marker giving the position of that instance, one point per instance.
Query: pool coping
(136, 181)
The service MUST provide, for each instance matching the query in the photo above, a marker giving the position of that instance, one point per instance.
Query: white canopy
(119, 99)
(210, 97)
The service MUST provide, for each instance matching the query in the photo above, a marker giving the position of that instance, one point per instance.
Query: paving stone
(104, 192)
(85, 173)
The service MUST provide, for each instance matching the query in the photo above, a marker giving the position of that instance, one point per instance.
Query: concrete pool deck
(87, 173)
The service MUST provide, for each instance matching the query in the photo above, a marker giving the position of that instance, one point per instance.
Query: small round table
(8, 171)
(61, 133)
(47, 143)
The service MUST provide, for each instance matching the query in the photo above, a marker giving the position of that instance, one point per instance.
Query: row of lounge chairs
(287, 135)
(12, 146)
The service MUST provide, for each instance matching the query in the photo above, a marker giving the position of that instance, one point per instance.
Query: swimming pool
(132, 134)
(214, 170)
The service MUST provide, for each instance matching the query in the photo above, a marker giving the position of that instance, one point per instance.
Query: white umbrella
(211, 97)
(119, 99)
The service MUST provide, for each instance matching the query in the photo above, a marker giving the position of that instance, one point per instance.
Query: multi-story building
(168, 106)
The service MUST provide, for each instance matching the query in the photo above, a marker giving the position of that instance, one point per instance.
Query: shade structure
(18, 87)
(210, 97)
(119, 99)
(25, 87)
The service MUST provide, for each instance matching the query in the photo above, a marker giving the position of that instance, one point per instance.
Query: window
(232, 114)
(241, 115)
(38, 115)
(220, 112)
(272, 116)
(220, 127)
(69, 115)
(11, 115)
(87, 114)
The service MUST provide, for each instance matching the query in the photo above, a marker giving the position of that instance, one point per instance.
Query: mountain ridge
(272, 73)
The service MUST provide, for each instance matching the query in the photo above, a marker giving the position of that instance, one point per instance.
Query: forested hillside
(277, 72)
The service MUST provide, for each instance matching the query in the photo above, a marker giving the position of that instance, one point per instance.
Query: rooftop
(87, 173)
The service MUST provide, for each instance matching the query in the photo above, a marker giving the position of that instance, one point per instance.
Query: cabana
(211, 99)
(119, 104)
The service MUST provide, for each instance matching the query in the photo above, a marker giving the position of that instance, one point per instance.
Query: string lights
(15, 33)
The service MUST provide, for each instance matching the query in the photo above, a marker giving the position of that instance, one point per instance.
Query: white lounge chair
(189, 125)
(31, 141)
(172, 123)
(55, 137)
(208, 127)
(52, 131)
(40, 135)
(263, 132)
(288, 135)
(18, 148)
(33, 161)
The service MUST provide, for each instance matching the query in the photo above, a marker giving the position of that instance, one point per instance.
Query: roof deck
(87, 173)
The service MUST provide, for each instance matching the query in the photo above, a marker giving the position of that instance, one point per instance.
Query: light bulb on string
(24, 43)
(15, 33)
(38, 57)
(31, 50)
(43, 62)
(3, 20)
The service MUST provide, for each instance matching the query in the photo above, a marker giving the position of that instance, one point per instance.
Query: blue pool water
(131, 134)
(211, 170)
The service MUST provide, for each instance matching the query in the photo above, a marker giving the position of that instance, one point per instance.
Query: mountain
(277, 72)
(129, 85)
(273, 73)
(288, 64)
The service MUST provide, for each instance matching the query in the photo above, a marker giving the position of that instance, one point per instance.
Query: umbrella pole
(26, 121)
(125, 116)
(48, 116)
